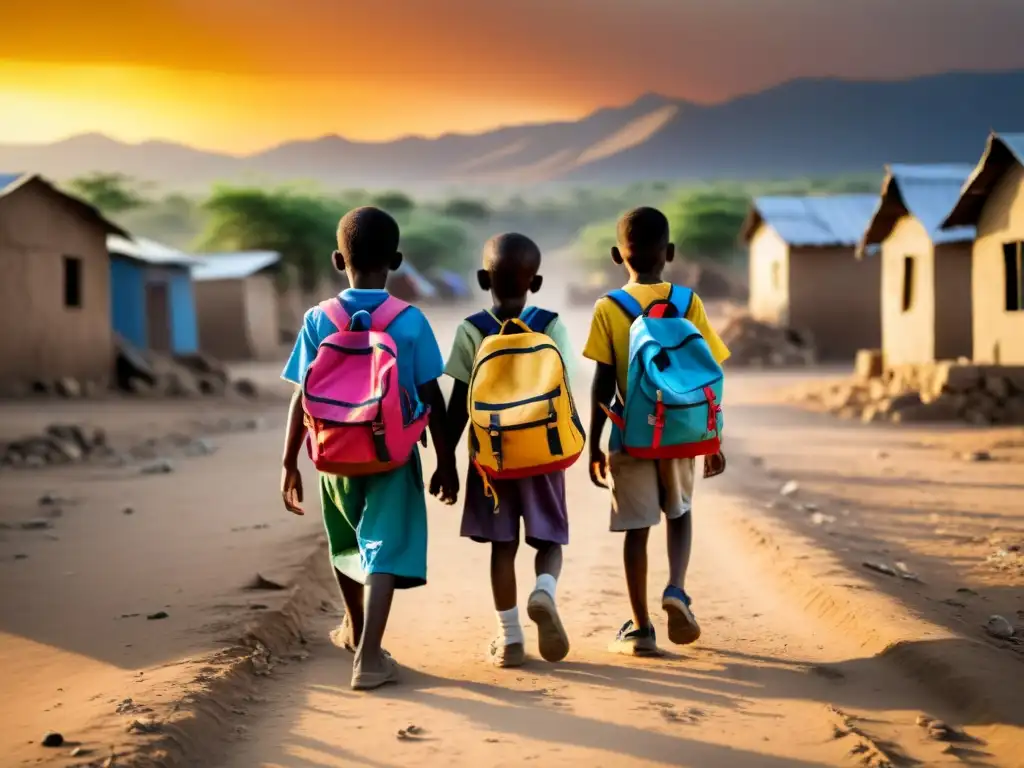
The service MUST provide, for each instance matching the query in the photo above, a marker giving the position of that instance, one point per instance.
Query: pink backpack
(353, 400)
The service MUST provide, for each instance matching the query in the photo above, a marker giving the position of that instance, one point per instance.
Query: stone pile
(757, 344)
(935, 392)
(58, 444)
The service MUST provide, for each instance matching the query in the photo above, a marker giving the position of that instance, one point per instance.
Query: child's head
(367, 245)
(643, 242)
(511, 262)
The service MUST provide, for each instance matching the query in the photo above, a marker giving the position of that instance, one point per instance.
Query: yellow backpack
(522, 418)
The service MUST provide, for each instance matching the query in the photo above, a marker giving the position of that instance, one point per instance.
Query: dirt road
(782, 676)
(807, 659)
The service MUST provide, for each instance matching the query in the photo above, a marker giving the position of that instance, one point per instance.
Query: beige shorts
(643, 489)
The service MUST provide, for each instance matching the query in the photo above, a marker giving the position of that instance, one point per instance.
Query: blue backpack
(674, 384)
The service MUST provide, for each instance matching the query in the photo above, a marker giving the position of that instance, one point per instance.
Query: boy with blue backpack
(366, 367)
(511, 387)
(659, 359)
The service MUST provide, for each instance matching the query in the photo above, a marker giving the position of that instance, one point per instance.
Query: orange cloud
(238, 75)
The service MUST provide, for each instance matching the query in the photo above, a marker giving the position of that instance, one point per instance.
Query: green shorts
(378, 524)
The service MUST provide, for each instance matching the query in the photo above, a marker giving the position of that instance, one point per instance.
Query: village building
(992, 201)
(152, 302)
(238, 306)
(804, 274)
(408, 284)
(55, 292)
(926, 270)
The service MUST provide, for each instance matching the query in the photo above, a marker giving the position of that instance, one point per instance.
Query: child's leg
(380, 589)
(634, 556)
(680, 540)
(352, 597)
(507, 650)
(636, 506)
(676, 478)
(503, 574)
(552, 637)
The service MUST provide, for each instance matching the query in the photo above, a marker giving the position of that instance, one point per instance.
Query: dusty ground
(807, 657)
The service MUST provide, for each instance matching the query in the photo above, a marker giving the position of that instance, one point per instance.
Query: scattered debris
(80, 752)
(976, 456)
(757, 344)
(790, 488)
(146, 725)
(246, 388)
(36, 524)
(128, 511)
(882, 568)
(820, 518)
(999, 627)
(162, 467)
(158, 615)
(905, 573)
(932, 392)
(261, 583)
(52, 739)
(261, 661)
(410, 731)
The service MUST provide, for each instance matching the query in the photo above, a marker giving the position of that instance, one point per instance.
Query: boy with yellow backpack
(510, 366)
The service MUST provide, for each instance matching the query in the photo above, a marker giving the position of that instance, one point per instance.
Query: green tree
(397, 204)
(706, 224)
(466, 209)
(434, 242)
(111, 193)
(300, 226)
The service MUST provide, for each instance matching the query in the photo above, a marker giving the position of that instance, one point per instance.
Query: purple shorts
(538, 501)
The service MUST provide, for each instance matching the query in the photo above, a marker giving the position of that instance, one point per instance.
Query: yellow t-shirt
(608, 342)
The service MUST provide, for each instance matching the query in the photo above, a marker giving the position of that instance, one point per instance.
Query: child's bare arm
(445, 483)
(291, 480)
(458, 412)
(601, 393)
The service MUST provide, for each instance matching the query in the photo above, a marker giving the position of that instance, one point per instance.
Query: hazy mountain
(801, 128)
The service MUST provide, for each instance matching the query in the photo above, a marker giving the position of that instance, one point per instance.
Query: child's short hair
(368, 239)
(642, 230)
(512, 262)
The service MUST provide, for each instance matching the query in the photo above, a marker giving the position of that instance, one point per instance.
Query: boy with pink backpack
(366, 366)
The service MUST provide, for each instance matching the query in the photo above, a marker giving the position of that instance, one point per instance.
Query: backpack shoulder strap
(621, 298)
(335, 312)
(537, 319)
(484, 322)
(681, 298)
(387, 312)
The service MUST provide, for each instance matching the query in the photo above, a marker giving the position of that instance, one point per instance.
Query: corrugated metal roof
(232, 266)
(835, 220)
(926, 192)
(149, 251)
(1001, 151)
(7, 179)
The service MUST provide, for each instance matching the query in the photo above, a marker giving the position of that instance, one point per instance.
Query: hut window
(908, 283)
(72, 282)
(1013, 256)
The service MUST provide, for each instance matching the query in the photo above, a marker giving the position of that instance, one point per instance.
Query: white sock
(511, 629)
(546, 583)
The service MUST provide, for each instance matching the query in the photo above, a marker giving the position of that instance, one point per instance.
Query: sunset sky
(242, 75)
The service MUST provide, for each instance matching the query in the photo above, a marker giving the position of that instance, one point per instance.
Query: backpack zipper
(503, 406)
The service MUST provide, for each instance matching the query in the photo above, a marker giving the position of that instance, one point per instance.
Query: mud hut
(237, 304)
(803, 272)
(152, 301)
(926, 270)
(992, 201)
(55, 291)
(408, 284)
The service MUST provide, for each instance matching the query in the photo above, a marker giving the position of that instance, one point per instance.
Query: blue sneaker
(683, 628)
(632, 641)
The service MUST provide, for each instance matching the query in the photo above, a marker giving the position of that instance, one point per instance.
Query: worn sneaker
(683, 628)
(505, 656)
(632, 641)
(551, 635)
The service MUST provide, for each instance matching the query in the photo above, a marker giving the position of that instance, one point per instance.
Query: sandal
(369, 681)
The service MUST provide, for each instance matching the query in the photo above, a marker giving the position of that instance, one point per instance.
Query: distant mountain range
(818, 127)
